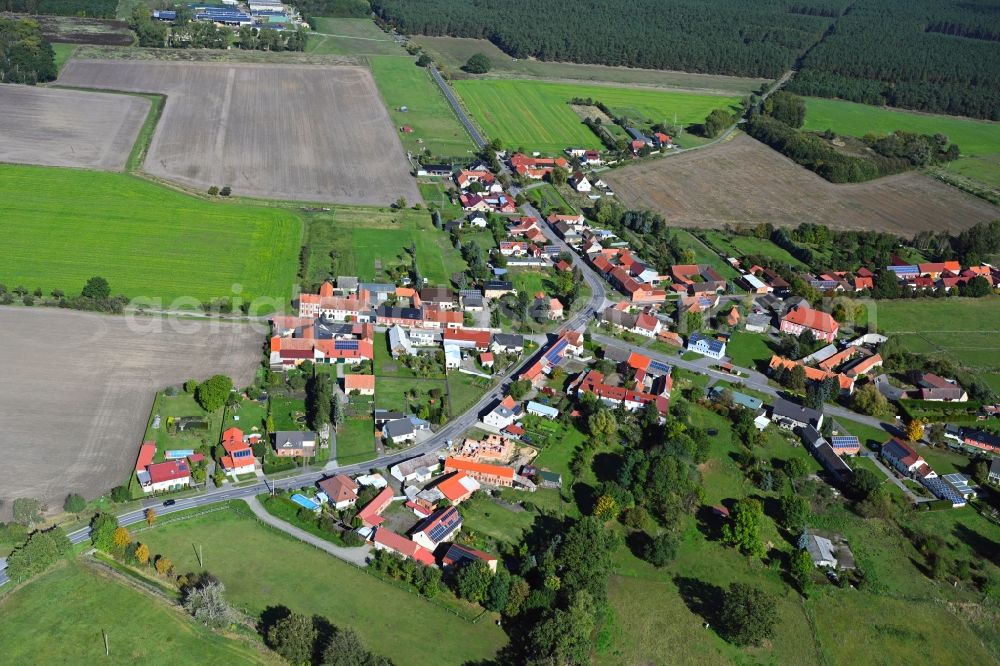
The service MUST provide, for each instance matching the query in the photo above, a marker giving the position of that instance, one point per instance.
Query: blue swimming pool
(178, 453)
(305, 502)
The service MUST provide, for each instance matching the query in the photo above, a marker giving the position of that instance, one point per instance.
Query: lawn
(435, 126)
(288, 413)
(177, 406)
(246, 415)
(62, 226)
(368, 241)
(355, 441)
(355, 37)
(391, 621)
(433, 193)
(390, 392)
(748, 350)
(59, 619)
(535, 115)
(464, 390)
(976, 138)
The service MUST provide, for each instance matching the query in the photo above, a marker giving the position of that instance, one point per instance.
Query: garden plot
(305, 133)
(68, 128)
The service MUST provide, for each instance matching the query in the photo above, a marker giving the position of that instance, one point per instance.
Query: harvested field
(68, 128)
(306, 133)
(77, 30)
(744, 181)
(78, 388)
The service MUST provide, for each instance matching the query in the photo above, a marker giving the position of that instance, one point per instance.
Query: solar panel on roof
(346, 344)
(660, 366)
(845, 441)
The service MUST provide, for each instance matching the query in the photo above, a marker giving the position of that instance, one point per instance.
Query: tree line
(87, 8)
(725, 36)
(916, 54)
(25, 55)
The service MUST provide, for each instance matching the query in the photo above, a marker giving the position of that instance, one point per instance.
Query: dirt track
(68, 128)
(744, 181)
(307, 133)
(78, 388)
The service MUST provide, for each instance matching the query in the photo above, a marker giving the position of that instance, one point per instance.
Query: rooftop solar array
(345, 344)
(555, 354)
(845, 442)
(943, 490)
(660, 366)
(960, 483)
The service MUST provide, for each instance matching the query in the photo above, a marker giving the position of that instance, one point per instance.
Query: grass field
(962, 329)
(748, 350)
(978, 139)
(391, 621)
(390, 392)
(535, 114)
(59, 617)
(735, 245)
(435, 126)
(345, 36)
(704, 255)
(368, 241)
(356, 441)
(61, 227)
(63, 53)
(450, 53)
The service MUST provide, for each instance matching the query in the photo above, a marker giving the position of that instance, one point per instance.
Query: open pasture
(63, 226)
(390, 620)
(537, 116)
(68, 127)
(451, 53)
(350, 36)
(78, 387)
(58, 618)
(305, 133)
(742, 181)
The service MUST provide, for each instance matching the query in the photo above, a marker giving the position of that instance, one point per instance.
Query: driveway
(357, 556)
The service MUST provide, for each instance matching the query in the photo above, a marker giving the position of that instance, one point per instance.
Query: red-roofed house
(363, 384)
(239, 458)
(371, 514)
(341, 489)
(468, 339)
(443, 525)
(593, 382)
(494, 475)
(647, 325)
(458, 487)
(458, 554)
(170, 475)
(803, 318)
(386, 539)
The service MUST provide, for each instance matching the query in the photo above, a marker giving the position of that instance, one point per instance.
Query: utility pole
(107, 649)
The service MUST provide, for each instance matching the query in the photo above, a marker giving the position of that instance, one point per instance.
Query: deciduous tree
(744, 530)
(293, 637)
(748, 614)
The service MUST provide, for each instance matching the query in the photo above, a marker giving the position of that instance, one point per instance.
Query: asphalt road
(477, 138)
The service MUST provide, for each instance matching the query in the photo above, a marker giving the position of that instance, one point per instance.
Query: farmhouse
(544, 411)
(288, 444)
(335, 308)
(362, 384)
(494, 475)
(239, 458)
(593, 382)
(536, 168)
(341, 490)
(905, 459)
(803, 318)
(458, 487)
(502, 414)
(697, 278)
(938, 389)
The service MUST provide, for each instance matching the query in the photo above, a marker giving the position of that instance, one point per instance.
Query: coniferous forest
(930, 55)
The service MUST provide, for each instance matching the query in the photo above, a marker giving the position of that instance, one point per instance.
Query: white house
(399, 431)
(542, 410)
(478, 221)
(502, 415)
(170, 475)
(706, 346)
(452, 356)
(417, 469)
(580, 183)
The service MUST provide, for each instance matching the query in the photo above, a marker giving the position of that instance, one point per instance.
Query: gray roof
(790, 410)
(995, 466)
(388, 415)
(820, 549)
(465, 293)
(385, 311)
(812, 436)
(377, 287)
(619, 318)
(498, 285)
(347, 282)
(508, 339)
(408, 467)
(830, 460)
(294, 439)
(472, 301)
(397, 428)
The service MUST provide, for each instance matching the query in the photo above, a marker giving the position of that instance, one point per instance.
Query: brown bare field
(744, 181)
(68, 128)
(305, 133)
(78, 388)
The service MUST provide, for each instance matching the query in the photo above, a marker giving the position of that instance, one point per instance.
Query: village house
(905, 459)
(507, 343)
(464, 338)
(994, 473)
(545, 411)
(935, 388)
(536, 168)
(416, 470)
(336, 308)
(322, 342)
(371, 513)
(493, 475)
(399, 431)
(166, 476)
(592, 382)
(579, 182)
(706, 346)
(294, 443)
(790, 415)
(360, 384)
(498, 288)
(803, 318)
(443, 525)
(458, 554)
(386, 539)
(239, 458)
(458, 487)
(697, 278)
(341, 491)
(502, 414)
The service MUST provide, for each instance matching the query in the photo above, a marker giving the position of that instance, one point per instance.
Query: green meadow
(535, 114)
(979, 140)
(63, 226)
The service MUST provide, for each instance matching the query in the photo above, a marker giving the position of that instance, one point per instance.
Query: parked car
(169, 502)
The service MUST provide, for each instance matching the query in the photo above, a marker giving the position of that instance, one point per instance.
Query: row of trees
(185, 32)
(88, 8)
(25, 56)
(95, 296)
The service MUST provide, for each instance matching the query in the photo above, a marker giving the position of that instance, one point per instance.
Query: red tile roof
(168, 471)
(404, 546)
(339, 488)
(814, 319)
(146, 454)
(458, 464)
(354, 382)
(458, 487)
(371, 514)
